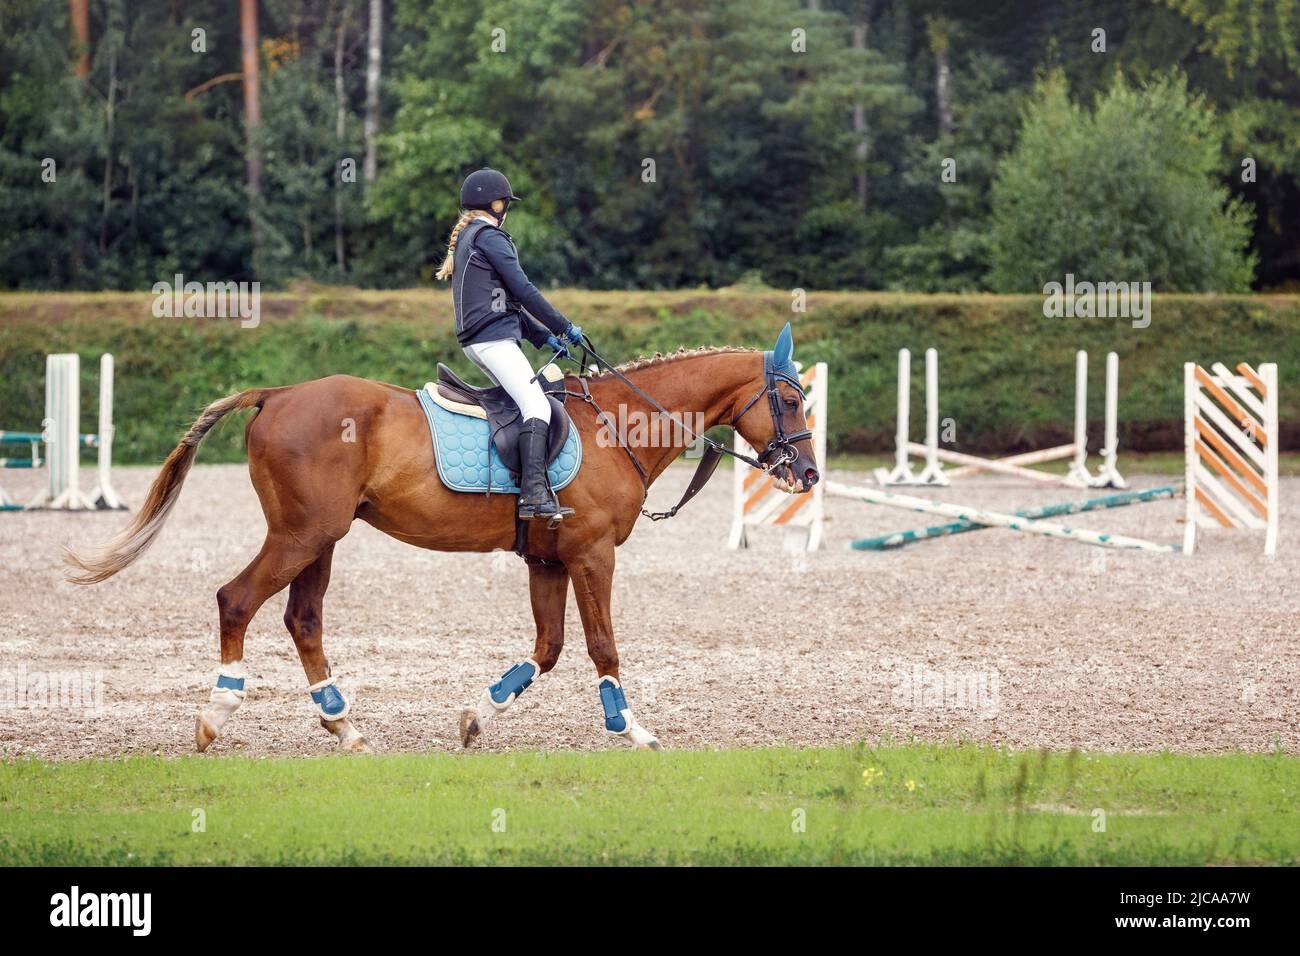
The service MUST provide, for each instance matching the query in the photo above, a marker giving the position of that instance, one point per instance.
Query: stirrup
(530, 513)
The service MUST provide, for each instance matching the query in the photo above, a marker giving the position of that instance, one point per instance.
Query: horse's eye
(791, 404)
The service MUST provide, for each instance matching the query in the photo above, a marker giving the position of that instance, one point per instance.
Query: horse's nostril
(811, 477)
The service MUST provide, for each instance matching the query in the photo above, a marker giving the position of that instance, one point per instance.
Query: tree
(88, 205)
(1127, 191)
(949, 182)
(1252, 75)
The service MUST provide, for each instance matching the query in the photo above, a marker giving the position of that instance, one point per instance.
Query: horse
(313, 482)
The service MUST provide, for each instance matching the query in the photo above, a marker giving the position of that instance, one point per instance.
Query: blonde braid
(466, 217)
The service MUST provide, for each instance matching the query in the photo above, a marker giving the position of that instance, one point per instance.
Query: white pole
(51, 426)
(1112, 414)
(1108, 475)
(1190, 457)
(1023, 458)
(738, 539)
(903, 430)
(818, 402)
(1268, 372)
(104, 496)
(932, 474)
(902, 471)
(1078, 474)
(989, 464)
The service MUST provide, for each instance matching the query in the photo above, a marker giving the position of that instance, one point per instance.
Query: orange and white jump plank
(1231, 450)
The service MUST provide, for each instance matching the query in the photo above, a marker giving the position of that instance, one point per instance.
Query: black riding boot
(536, 500)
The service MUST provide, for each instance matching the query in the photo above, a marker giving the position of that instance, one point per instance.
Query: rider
(496, 306)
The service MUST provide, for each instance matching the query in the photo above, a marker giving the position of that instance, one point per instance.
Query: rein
(781, 445)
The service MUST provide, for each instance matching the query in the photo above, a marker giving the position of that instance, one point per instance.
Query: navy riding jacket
(493, 297)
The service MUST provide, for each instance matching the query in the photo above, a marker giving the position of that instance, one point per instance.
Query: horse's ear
(784, 351)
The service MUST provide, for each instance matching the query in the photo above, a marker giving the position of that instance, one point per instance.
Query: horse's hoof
(349, 737)
(652, 745)
(469, 728)
(358, 745)
(203, 733)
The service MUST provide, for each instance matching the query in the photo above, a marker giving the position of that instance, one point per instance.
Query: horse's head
(772, 420)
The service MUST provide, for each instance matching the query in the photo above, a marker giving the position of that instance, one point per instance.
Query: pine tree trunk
(941, 91)
(110, 117)
(373, 75)
(248, 37)
(340, 128)
(79, 12)
(860, 126)
(940, 31)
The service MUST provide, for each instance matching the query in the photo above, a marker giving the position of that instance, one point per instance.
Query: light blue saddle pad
(464, 452)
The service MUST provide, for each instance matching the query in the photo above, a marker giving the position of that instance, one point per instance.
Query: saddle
(502, 415)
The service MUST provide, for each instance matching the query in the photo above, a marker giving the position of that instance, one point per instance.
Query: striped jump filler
(1231, 448)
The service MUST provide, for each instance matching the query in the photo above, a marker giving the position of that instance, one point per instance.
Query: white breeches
(505, 363)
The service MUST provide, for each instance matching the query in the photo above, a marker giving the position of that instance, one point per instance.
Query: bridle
(781, 443)
(779, 451)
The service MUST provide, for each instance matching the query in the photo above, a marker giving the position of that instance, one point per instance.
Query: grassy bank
(1006, 371)
(854, 805)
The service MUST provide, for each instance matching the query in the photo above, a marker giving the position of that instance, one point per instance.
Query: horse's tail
(135, 539)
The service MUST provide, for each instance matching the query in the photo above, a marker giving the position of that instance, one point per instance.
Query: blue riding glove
(574, 334)
(561, 350)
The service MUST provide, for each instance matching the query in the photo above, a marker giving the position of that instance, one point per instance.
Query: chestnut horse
(313, 482)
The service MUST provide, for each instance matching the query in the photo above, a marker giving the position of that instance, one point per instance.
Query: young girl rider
(496, 306)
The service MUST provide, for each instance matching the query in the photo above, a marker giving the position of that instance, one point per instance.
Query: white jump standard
(1107, 476)
(63, 440)
(932, 473)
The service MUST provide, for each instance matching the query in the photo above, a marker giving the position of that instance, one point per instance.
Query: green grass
(891, 804)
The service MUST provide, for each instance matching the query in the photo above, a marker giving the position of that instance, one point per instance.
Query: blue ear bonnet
(779, 363)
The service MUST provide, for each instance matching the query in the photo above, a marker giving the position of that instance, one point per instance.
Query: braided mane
(682, 352)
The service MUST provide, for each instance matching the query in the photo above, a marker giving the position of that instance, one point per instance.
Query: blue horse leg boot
(329, 700)
(506, 691)
(618, 715)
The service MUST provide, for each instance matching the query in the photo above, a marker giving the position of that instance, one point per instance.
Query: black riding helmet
(482, 187)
